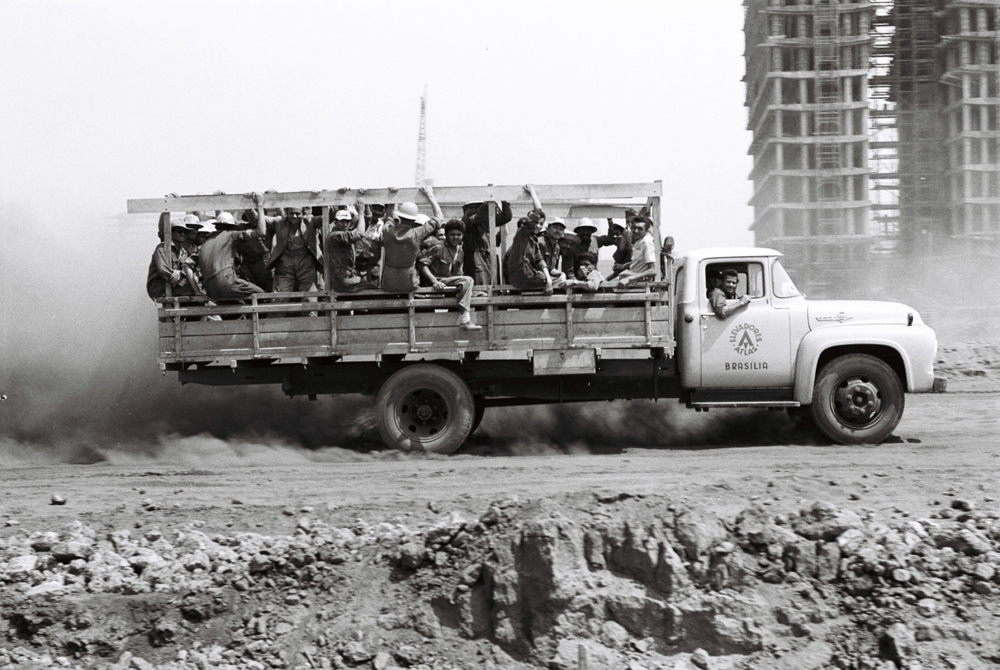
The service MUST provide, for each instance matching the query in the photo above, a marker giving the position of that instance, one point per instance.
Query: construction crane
(422, 140)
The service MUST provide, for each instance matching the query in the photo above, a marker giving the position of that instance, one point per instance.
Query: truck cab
(849, 361)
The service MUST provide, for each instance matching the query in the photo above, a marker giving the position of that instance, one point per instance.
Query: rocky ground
(780, 555)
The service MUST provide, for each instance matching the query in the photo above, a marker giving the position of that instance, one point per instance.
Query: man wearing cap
(441, 265)
(526, 268)
(166, 265)
(341, 245)
(401, 243)
(295, 254)
(218, 259)
(643, 264)
(581, 241)
(722, 299)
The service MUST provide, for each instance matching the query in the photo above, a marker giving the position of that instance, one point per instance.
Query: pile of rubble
(613, 582)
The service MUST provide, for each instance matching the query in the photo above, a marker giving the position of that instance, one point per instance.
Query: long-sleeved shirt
(552, 251)
(402, 246)
(165, 256)
(525, 265)
(443, 260)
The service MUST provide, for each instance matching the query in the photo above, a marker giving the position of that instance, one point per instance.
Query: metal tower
(422, 139)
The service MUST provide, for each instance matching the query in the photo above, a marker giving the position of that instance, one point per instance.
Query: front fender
(916, 345)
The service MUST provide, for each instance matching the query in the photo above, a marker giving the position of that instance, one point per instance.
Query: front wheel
(425, 408)
(858, 399)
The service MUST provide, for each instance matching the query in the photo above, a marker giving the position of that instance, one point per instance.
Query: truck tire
(858, 399)
(425, 408)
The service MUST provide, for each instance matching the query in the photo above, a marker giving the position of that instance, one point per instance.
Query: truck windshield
(784, 287)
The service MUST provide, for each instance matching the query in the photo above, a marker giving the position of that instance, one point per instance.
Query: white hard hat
(208, 226)
(421, 219)
(342, 215)
(408, 210)
(226, 218)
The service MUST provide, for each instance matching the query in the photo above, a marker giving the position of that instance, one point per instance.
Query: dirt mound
(605, 581)
(969, 366)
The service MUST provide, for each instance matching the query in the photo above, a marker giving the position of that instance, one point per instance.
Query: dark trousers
(295, 273)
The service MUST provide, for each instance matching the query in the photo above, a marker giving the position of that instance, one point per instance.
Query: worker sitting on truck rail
(588, 277)
(441, 265)
(623, 252)
(341, 245)
(401, 242)
(643, 264)
(722, 299)
(166, 265)
(217, 260)
(525, 266)
(550, 243)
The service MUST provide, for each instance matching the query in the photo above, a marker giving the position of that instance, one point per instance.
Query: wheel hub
(857, 401)
(423, 413)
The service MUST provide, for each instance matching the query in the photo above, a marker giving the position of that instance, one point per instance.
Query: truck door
(751, 347)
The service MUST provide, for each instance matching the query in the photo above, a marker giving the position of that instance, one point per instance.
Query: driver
(723, 298)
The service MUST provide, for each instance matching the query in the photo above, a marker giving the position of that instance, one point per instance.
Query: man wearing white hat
(166, 265)
(342, 250)
(401, 242)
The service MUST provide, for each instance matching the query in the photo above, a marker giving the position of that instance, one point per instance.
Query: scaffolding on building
(971, 104)
(807, 63)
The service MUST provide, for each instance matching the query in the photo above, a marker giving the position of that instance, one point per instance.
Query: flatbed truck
(845, 364)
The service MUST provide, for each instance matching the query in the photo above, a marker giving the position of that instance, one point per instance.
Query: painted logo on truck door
(745, 338)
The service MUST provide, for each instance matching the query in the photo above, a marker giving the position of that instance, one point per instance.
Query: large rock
(572, 654)
(801, 558)
(68, 551)
(824, 521)
(643, 617)
(756, 525)
(411, 555)
(899, 645)
(645, 556)
(827, 561)
(962, 540)
(21, 566)
(699, 532)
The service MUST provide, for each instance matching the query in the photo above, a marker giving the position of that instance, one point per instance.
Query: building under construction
(875, 132)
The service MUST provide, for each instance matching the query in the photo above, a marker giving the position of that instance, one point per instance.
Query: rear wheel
(858, 399)
(425, 408)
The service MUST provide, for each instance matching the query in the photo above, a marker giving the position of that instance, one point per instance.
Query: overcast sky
(103, 101)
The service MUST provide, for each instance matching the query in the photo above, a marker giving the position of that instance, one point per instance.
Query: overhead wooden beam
(446, 195)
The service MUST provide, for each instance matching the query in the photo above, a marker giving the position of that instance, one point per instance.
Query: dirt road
(946, 444)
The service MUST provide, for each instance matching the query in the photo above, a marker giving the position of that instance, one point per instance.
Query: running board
(710, 398)
(745, 403)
